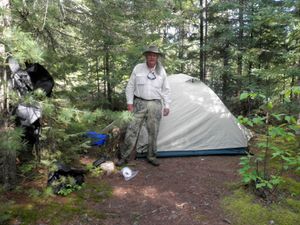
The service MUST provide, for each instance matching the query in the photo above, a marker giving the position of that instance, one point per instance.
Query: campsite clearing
(182, 191)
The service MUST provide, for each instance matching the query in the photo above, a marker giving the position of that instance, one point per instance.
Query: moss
(291, 185)
(284, 216)
(200, 217)
(54, 210)
(27, 213)
(95, 192)
(5, 214)
(241, 207)
(294, 205)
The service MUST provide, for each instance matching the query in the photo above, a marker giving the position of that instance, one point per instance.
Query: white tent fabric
(198, 124)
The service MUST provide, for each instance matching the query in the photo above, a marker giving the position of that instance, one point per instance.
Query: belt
(136, 97)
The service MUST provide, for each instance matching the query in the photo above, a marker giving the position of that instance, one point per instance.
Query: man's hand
(130, 107)
(166, 111)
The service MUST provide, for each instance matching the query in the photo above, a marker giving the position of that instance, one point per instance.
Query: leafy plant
(65, 185)
(265, 169)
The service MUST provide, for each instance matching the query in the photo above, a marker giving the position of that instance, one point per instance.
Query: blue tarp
(96, 138)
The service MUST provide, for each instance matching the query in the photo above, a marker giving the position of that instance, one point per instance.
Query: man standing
(148, 97)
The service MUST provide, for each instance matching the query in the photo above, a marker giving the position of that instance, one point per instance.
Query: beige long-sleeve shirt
(141, 86)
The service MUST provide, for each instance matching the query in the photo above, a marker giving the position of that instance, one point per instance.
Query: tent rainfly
(198, 124)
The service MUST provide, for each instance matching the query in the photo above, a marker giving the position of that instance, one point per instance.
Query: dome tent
(198, 124)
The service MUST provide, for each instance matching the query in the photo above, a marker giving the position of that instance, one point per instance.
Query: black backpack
(23, 81)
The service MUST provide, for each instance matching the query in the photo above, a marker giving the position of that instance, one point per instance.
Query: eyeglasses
(151, 76)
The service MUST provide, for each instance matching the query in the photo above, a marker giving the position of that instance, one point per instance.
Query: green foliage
(67, 184)
(34, 193)
(276, 147)
(274, 150)
(11, 140)
(93, 45)
(270, 183)
(90, 47)
(293, 204)
(27, 168)
(242, 207)
(5, 215)
(95, 171)
(248, 175)
(295, 90)
(64, 127)
(291, 186)
(21, 45)
(251, 95)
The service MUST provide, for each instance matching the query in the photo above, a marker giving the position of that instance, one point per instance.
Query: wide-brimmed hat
(153, 49)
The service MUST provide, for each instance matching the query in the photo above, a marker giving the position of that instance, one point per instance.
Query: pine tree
(8, 142)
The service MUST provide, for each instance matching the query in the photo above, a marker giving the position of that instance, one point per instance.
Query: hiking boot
(121, 162)
(153, 162)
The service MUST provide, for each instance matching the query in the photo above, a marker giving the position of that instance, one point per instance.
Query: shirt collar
(152, 69)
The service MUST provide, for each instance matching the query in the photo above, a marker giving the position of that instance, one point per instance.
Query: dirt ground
(181, 191)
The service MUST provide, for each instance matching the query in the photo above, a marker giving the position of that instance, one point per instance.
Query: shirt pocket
(158, 82)
(140, 80)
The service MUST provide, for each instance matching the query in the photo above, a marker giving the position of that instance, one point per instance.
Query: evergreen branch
(52, 39)
(45, 16)
(24, 3)
(61, 8)
(73, 21)
(65, 34)
(79, 9)
(34, 4)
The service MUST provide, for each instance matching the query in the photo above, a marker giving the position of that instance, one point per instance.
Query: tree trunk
(181, 40)
(226, 67)
(8, 169)
(2, 82)
(225, 74)
(4, 22)
(240, 41)
(107, 73)
(7, 158)
(98, 77)
(202, 77)
(298, 121)
(205, 41)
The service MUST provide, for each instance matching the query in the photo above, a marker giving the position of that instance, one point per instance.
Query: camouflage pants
(150, 113)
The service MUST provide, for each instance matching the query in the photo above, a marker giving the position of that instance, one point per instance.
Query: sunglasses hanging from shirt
(151, 75)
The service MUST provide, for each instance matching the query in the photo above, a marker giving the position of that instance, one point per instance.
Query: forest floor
(181, 191)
